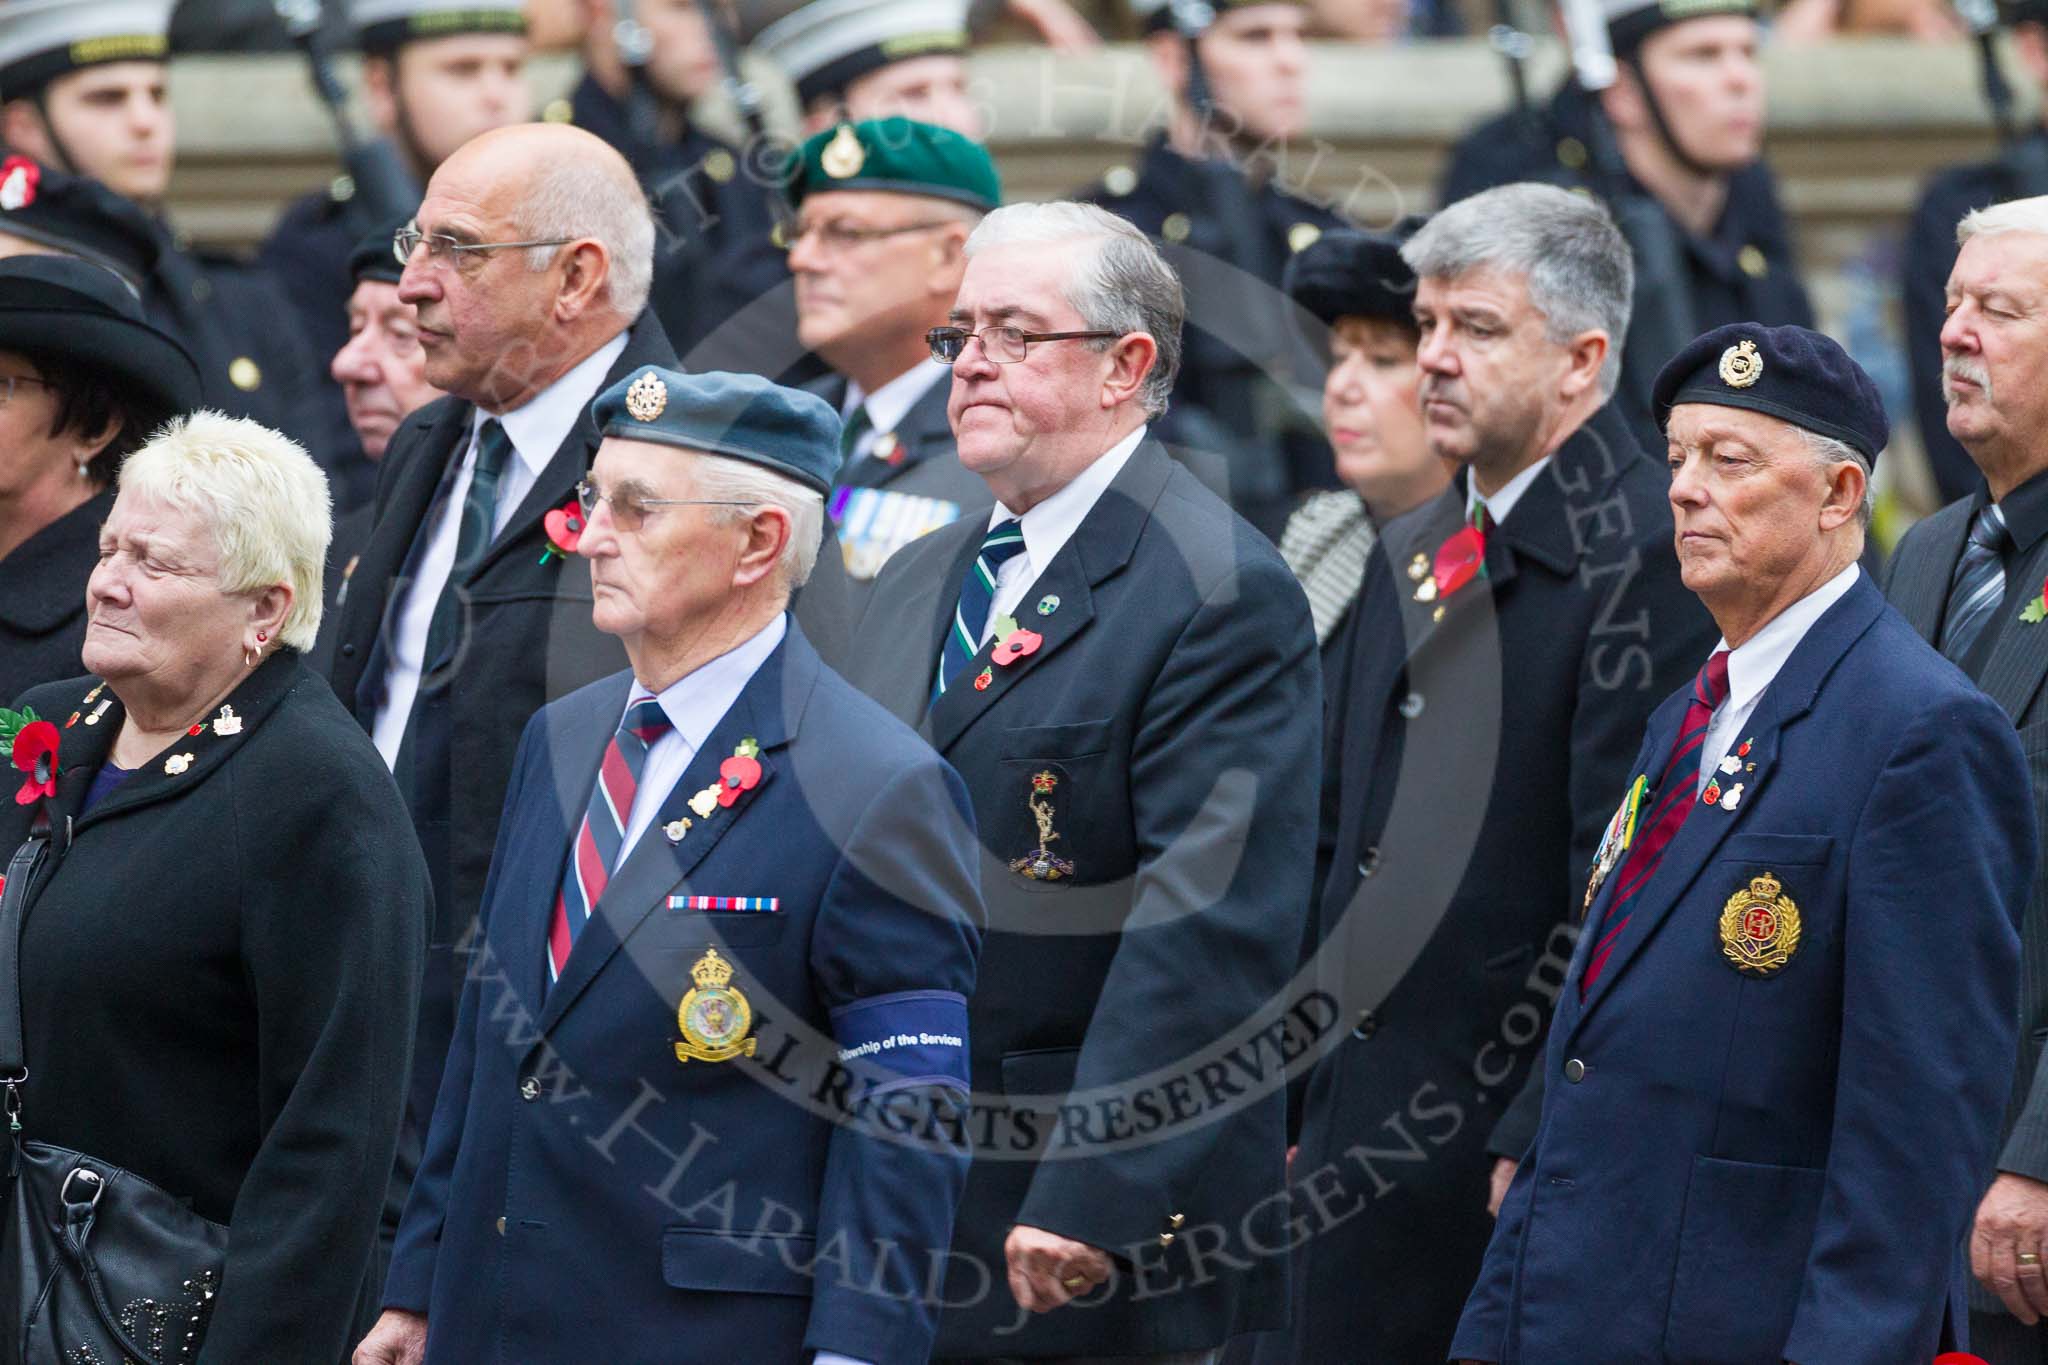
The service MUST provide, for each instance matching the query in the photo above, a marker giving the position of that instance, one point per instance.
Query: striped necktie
(1978, 587)
(1004, 542)
(1677, 794)
(600, 839)
(472, 538)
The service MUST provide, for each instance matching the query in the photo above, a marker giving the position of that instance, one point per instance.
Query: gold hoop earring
(251, 656)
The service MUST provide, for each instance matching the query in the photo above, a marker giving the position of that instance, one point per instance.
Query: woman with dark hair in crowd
(84, 380)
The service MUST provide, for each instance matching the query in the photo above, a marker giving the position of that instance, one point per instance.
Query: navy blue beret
(1349, 273)
(740, 415)
(1792, 373)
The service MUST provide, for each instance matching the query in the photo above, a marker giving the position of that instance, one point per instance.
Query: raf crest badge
(843, 155)
(1741, 366)
(715, 1017)
(1759, 927)
(1041, 864)
(647, 397)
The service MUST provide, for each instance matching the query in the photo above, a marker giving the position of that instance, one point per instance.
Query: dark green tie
(857, 426)
(479, 514)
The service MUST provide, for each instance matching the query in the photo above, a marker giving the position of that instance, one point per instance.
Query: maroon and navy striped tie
(596, 850)
(1677, 794)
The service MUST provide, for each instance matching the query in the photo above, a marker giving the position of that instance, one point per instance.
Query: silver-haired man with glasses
(529, 263)
(1125, 674)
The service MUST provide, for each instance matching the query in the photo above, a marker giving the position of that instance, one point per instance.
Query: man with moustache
(1210, 190)
(1124, 674)
(1686, 112)
(1967, 579)
(883, 212)
(435, 74)
(467, 611)
(1508, 644)
(1780, 1047)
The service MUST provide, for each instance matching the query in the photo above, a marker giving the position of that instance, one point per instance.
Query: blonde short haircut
(260, 494)
(2014, 215)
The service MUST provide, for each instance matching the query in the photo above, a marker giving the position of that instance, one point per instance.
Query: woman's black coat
(220, 973)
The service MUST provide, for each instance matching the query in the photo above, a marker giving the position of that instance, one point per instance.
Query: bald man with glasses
(457, 625)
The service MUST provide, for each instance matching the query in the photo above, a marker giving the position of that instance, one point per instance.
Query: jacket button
(501, 1227)
(1370, 863)
(529, 1089)
(348, 651)
(1575, 1071)
(1368, 1025)
(1411, 705)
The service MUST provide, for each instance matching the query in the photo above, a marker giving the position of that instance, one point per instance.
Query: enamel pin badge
(714, 1016)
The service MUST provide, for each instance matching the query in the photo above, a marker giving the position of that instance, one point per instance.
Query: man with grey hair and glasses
(1124, 672)
(1508, 645)
(1969, 579)
(529, 264)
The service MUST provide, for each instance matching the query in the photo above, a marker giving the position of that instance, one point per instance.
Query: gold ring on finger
(1075, 1281)
(2030, 1258)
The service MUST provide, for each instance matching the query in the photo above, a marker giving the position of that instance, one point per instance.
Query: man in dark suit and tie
(459, 621)
(1125, 674)
(1778, 1056)
(704, 1099)
(1510, 641)
(1968, 579)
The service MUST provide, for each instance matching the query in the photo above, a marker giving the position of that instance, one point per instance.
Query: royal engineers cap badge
(1741, 366)
(1759, 927)
(714, 1017)
(843, 155)
(647, 397)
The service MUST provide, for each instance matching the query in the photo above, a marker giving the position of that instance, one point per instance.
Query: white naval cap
(387, 25)
(40, 40)
(1156, 15)
(1631, 21)
(827, 44)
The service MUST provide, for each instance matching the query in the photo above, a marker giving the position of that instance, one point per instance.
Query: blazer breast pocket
(1058, 814)
(686, 920)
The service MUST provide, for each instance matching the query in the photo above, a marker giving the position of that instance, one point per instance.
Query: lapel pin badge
(674, 830)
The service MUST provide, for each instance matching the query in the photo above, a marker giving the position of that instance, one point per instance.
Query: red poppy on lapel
(1016, 645)
(565, 531)
(1459, 560)
(740, 773)
(35, 753)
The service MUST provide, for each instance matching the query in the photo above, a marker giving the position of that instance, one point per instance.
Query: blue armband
(904, 1039)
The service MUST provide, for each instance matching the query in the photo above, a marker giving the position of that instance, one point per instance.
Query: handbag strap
(21, 871)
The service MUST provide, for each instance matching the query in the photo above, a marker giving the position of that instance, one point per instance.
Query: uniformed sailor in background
(877, 248)
(1687, 114)
(852, 60)
(435, 74)
(85, 91)
(1209, 188)
(716, 204)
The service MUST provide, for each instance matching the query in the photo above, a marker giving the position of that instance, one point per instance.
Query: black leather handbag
(97, 1265)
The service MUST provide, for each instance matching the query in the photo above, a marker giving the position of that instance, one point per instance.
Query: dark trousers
(2003, 1339)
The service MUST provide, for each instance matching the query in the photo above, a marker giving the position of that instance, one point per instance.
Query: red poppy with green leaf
(2037, 609)
(32, 744)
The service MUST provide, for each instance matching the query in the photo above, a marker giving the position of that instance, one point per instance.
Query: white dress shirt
(1050, 525)
(537, 430)
(1752, 666)
(694, 704)
(890, 404)
(1500, 504)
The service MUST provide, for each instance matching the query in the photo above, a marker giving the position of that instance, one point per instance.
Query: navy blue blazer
(588, 1193)
(1734, 1168)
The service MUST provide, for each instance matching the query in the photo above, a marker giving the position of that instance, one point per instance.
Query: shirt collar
(697, 701)
(2025, 510)
(1752, 666)
(540, 425)
(1048, 526)
(1503, 502)
(888, 405)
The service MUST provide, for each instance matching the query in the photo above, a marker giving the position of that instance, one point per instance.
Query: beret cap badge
(843, 156)
(647, 398)
(1741, 366)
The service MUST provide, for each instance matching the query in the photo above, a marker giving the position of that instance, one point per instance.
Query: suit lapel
(2019, 659)
(1919, 586)
(767, 710)
(1787, 699)
(1100, 546)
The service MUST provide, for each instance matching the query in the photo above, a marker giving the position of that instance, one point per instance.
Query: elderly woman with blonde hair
(223, 935)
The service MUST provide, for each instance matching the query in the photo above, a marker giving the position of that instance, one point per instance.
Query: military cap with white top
(384, 26)
(825, 46)
(41, 40)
